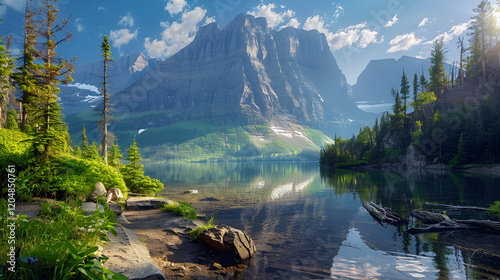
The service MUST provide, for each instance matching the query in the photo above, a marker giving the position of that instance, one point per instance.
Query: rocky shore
(166, 251)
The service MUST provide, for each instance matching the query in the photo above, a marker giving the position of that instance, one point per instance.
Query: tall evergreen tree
(26, 75)
(436, 72)
(462, 50)
(415, 87)
(106, 110)
(6, 88)
(405, 92)
(483, 32)
(50, 133)
(423, 82)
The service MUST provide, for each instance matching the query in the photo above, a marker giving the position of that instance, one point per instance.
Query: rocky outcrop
(232, 245)
(127, 255)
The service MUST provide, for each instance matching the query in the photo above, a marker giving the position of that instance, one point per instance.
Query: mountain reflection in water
(308, 223)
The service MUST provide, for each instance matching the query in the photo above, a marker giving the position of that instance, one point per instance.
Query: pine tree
(26, 75)
(415, 88)
(133, 172)
(436, 72)
(461, 47)
(423, 82)
(483, 32)
(6, 88)
(115, 155)
(50, 133)
(405, 92)
(105, 111)
(85, 141)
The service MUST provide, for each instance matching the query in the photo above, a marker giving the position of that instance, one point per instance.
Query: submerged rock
(232, 245)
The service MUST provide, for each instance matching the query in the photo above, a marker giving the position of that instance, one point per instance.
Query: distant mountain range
(375, 82)
(281, 91)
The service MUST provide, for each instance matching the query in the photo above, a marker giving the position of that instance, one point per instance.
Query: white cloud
(16, 5)
(419, 57)
(176, 35)
(316, 22)
(273, 18)
(293, 23)
(392, 21)
(79, 25)
(423, 22)
(209, 20)
(100, 8)
(447, 36)
(127, 20)
(404, 42)
(175, 6)
(339, 11)
(121, 37)
(85, 86)
(357, 34)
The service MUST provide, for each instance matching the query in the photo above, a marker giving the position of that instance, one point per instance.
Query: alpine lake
(308, 222)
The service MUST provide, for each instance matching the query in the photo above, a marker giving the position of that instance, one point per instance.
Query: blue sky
(357, 30)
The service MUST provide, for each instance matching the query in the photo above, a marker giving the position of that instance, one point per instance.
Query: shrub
(495, 208)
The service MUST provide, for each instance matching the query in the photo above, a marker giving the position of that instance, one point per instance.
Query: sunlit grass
(183, 209)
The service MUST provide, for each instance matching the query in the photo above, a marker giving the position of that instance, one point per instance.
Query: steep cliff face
(245, 72)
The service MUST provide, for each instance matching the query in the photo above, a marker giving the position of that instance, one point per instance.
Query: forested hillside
(455, 121)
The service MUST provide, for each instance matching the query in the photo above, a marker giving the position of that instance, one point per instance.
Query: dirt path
(167, 238)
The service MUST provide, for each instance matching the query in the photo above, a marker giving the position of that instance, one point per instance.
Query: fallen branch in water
(383, 214)
(440, 222)
(472, 208)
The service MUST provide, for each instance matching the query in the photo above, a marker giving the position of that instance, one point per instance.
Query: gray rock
(143, 203)
(99, 190)
(128, 255)
(232, 245)
(117, 209)
(90, 207)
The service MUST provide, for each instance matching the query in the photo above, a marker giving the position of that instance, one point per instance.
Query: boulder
(99, 190)
(232, 245)
(114, 194)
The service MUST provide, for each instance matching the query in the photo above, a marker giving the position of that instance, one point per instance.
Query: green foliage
(114, 157)
(196, 232)
(495, 208)
(67, 177)
(183, 209)
(67, 244)
(12, 122)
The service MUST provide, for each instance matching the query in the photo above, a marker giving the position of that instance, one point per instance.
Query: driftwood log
(440, 222)
(384, 214)
(471, 208)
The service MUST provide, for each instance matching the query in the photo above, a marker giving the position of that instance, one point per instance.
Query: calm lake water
(308, 222)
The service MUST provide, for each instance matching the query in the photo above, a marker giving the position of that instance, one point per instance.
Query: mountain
(246, 72)
(246, 90)
(83, 93)
(375, 82)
